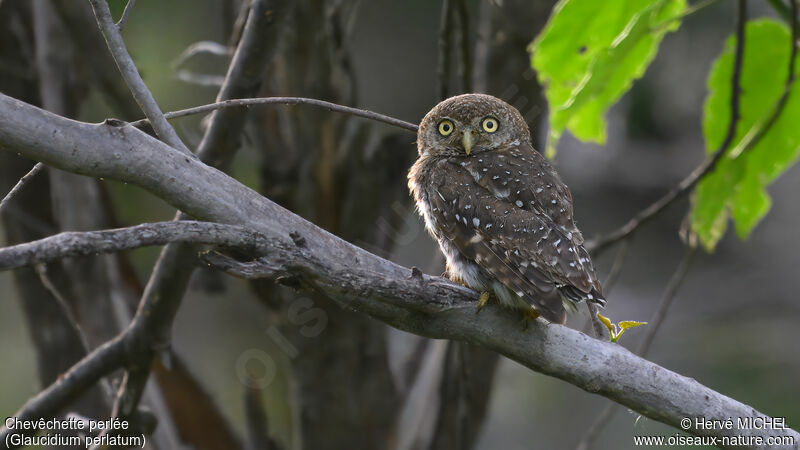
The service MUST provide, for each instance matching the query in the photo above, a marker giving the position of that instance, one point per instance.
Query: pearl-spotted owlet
(501, 214)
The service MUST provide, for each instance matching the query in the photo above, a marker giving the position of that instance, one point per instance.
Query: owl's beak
(468, 140)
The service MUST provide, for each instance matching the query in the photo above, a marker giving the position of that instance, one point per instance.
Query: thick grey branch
(303, 253)
(75, 243)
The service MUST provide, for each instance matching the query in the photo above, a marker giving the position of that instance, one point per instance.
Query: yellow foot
(529, 315)
(483, 300)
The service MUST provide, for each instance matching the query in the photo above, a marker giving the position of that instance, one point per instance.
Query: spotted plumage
(500, 212)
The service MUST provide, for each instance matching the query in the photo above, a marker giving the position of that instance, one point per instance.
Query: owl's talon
(483, 300)
(529, 315)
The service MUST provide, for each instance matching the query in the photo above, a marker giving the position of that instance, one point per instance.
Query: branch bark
(357, 280)
(72, 243)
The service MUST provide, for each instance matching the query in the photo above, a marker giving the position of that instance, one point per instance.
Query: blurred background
(343, 380)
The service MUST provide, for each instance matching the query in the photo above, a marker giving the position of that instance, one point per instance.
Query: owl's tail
(575, 296)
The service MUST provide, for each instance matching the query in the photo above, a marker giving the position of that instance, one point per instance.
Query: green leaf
(625, 324)
(737, 187)
(616, 330)
(589, 54)
(612, 330)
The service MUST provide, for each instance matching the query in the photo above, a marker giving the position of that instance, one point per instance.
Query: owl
(500, 212)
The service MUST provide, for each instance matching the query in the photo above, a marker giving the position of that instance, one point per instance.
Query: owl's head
(470, 124)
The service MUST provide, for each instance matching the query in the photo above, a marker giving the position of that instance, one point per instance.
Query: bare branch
(200, 79)
(287, 101)
(199, 48)
(666, 301)
(132, 78)
(302, 254)
(75, 243)
(256, 420)
(20, 184)
(616, 267)
(597, 426)
(41, 270)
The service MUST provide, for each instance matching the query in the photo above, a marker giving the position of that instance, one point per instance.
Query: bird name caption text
(70, 431)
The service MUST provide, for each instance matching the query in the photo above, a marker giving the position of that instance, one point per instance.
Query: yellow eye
(489, 124)
(446, 127)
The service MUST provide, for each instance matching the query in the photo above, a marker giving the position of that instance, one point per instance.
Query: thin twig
(666, 23)
(41, 271)
(20, 184)
(201, 48)
(658, 318)
(760, 129)
(597, 426)
(616, 267)
(781, 9)
(445, 32)
(200, 79)
(666, 301)
(287, 101)
(130, 74)
(125, 14)
(256, 420)
(686, 185)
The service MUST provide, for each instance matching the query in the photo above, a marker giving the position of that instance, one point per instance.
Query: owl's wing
(520, 175)
(524, 249)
